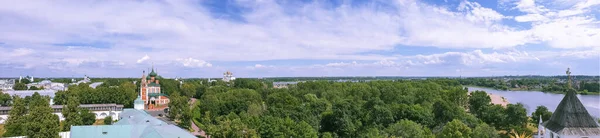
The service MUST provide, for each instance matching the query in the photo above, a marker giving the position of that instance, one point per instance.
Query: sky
(287, 38)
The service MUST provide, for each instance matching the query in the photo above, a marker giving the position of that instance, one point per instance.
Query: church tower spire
(569, 78)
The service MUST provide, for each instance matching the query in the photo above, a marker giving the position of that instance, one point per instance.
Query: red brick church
(151, 93)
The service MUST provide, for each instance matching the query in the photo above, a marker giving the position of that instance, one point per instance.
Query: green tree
(5, 99)
(87, 117)
(516, 116)
(14, 125)
(41, 123)
(108, 120)
(71, 114)
(455, 129)
(485, 131)
(540, 111)
(305, 130)
(478, 101)
(445, 112)
(327, 135)
(408, 129)
(188, 89)
(20, 86)
(494, 115)
(176, 106)
(34, 88)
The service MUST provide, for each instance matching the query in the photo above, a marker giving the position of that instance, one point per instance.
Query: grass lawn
(2, 130)
(99, 122)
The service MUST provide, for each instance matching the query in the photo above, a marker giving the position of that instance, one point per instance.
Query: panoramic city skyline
(299, 38)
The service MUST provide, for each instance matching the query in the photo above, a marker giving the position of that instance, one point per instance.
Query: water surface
(532, 99)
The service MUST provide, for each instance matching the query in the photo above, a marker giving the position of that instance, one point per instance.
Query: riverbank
(497, 99)
(534, 90)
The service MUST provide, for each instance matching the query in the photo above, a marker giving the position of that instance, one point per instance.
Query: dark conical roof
(570, 113)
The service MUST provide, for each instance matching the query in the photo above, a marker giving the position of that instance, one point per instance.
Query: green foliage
(124, 94)
(341, 109)
(485, 131)
(444, 112)
(20, 86)
(41, 123)
(478, 101)
(87, 117)
(15, 124)
(25, 81)
(34, 88)
(408, 129)
(72, 115)
(540, 111)
(108, 120)
(5, 99)
(516, 116)
(244, 83)
(455, 129)
(493, 115)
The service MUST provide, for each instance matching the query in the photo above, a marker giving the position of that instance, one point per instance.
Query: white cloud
(194, 63)
(173, 29)
(20, 52)
(146, 57)
(530, 18)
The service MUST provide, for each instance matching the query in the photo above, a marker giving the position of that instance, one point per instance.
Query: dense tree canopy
(20, 86)
(455, 129)
(32, 119)
(417, 108)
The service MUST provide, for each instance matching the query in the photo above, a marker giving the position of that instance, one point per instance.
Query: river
(532, 99)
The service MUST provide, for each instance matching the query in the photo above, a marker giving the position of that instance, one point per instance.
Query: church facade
(151, 93)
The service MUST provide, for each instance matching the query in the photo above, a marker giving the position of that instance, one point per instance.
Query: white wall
(60, 134)
(99, 115)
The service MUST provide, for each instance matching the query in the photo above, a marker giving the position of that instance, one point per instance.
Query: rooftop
(571, 117)
(132, 124)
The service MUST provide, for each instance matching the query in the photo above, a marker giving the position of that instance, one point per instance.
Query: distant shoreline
(554, 92)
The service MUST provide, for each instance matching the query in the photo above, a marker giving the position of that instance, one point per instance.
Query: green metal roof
(152, 84)
(152, 73)
(157, 94)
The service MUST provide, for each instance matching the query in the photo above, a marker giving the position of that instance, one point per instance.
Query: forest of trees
(546, 84)
(252, 108)
(427, 108)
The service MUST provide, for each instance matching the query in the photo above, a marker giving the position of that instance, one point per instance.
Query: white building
(7, 84)
(228, 76)
(86, 79)
(48, 85)
(25, 93)
(284, 84)
(100, 110)
(30, 78)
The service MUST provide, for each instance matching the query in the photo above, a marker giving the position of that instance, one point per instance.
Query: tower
(138, 103)
(571, 118)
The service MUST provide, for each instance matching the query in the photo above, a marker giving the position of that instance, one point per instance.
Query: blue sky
(267, 38)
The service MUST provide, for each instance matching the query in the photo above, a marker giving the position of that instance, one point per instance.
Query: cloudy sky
(266, 38)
